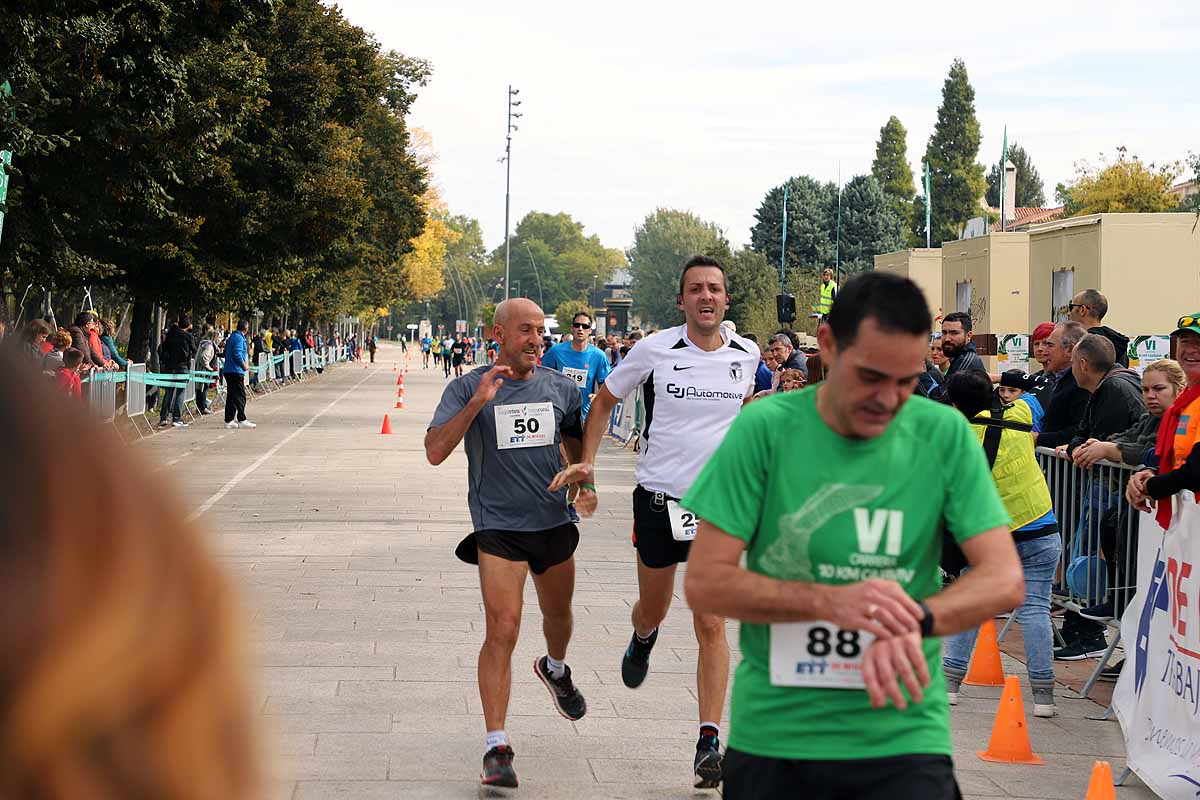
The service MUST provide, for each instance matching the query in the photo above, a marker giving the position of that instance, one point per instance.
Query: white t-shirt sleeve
(632, 370)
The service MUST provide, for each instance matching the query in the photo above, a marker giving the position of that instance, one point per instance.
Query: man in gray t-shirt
(511, 418)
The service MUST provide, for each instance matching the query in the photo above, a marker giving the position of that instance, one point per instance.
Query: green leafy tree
(664, 241)
(567, 310)
(1127, 184)
(870, 224)
(891, 168)
(1193, 203)
(811, 221)
(753, 284)
(957, 182)
(1030, 192)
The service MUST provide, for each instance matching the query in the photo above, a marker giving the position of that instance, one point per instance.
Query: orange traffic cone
(986, 669)
(387, 425)
(399, 380)
(400, 403)
(400, 392)
(1101, 785)
(1010, 734)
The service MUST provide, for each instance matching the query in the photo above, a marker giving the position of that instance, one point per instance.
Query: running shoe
(498, 769)
(572, 513)
(566, 697)
(246, 424)
(1078, 650)
(1112, 671)
(179, 424)
(708, 762)
(232, 424)
(636, 662)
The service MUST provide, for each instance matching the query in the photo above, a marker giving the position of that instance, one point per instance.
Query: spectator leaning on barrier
(1068, 401)
(1026, 497)
(33, 339)
(1045, 378)
(235, 369)
(176, 355)
(92, 329)
(79, 340)
(1178, 460)
(108, 332)
(788, 357)
(1088, 309)
(1016, 386)
(60, 341)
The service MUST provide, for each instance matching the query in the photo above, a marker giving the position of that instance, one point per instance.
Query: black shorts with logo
(541, 549)
(911, 777)
(652, 537)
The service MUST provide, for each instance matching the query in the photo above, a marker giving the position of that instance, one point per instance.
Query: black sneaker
(636, 662)
(1101, 612)
(572, 513)
(498, 769)
(1112, 671)
(566, 697)
(708, 762)
(1080, 649)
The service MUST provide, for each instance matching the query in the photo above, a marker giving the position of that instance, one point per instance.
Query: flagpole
(783, 243)
(837, 240)
(1003, 180)
(928, 204)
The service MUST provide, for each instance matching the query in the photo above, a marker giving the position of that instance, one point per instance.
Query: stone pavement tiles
(366, 628)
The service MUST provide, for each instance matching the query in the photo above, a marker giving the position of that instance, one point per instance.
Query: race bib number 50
(525, 425)
(817, 655)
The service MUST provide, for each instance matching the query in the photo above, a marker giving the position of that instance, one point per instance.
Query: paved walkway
(367, 628)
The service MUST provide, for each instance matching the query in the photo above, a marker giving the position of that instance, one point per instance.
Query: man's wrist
(927, 621)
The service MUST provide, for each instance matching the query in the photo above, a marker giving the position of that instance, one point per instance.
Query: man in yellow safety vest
(828, 293)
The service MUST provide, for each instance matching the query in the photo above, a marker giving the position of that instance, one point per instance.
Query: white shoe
(179, 424)
(952, 697)
(246, 424)
(231, 424)
(1045, 710)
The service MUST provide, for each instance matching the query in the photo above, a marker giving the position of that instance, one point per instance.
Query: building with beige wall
(924, 267)
(988, 277)
(1147, 265)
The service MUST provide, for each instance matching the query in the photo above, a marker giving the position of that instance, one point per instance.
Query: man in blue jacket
(237, 364)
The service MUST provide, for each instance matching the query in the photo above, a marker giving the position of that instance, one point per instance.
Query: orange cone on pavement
(1101, 785)
(400, 403)
(986, 669)
(387, 425)
(1010, 733)
(399, 380)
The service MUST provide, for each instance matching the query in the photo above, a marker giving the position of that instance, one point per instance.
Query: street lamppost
(507, 159)
(594, 278)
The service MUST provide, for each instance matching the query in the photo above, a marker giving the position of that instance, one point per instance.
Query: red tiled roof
(1031, 216)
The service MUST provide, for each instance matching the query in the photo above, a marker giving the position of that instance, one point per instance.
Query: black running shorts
(541, 549)
(652, 538)
(912, 777)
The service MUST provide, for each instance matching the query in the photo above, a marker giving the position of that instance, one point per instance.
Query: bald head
(516, 308)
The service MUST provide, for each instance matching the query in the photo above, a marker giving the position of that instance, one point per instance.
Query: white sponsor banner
(1013, 352)
(1145, 350)
(1157, 698)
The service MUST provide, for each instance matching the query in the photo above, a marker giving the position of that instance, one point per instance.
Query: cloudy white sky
(704, 106)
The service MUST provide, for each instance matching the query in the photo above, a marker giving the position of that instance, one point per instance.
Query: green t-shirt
(812, 505)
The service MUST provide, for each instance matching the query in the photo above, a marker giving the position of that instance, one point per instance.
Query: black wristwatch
(926, 621)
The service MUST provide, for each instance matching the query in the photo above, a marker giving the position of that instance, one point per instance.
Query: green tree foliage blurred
(1030, 192)
(957, 183)
(664, 241)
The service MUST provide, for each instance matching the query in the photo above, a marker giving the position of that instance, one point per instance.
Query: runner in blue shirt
(583, 363)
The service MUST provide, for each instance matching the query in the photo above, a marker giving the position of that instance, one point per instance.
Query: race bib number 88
(527, 425)
(817, 655)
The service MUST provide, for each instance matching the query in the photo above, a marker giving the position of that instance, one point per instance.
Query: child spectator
(60, 342)
(791, 379)
(1016, 385)
(66, 377)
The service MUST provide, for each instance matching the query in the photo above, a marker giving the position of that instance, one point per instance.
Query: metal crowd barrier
(625, 423)
(298, 364)
(100, 393)
(1099, 536)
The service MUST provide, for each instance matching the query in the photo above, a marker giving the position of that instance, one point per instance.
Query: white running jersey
(691, 399)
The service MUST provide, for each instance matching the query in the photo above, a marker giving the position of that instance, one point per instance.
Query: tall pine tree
(891, 168)
(1030, 192)
(957, 183)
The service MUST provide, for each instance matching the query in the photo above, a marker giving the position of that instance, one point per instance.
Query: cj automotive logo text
(691, 392)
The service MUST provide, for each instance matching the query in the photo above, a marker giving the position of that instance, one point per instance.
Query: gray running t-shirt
(508, 472)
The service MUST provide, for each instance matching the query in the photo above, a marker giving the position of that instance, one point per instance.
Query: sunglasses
(1187, 322)
(581, 325)
(1076, 305)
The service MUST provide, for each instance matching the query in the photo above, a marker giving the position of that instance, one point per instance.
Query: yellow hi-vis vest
(1018, 477)
(828, 290)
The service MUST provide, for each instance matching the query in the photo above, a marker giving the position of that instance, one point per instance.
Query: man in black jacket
(958, 347)
(176, 355)
(1115, 404)
(1068, 402)
(1088, 309)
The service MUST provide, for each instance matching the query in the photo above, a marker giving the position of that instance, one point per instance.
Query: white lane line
(258, 462)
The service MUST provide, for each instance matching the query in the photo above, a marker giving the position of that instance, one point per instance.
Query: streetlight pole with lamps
(507, 159)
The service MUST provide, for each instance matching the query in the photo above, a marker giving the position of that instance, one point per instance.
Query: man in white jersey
(695, 379)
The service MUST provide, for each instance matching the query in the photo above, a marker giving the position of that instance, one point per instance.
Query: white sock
(496, 739)
(556, 668)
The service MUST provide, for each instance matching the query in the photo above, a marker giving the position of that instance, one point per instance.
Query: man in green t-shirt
(838, 496)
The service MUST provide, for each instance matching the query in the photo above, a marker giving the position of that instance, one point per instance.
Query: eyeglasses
(1077, 305)
(581, 325)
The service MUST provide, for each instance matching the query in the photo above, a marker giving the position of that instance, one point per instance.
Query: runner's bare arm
(583, 470)
(441, 441)
(994, 584)
(716, 583)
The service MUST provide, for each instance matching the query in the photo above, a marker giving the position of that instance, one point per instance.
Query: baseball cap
(1042, 331)
(1190, 322)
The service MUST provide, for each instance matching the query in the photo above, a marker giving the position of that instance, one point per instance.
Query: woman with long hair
(121, 672)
